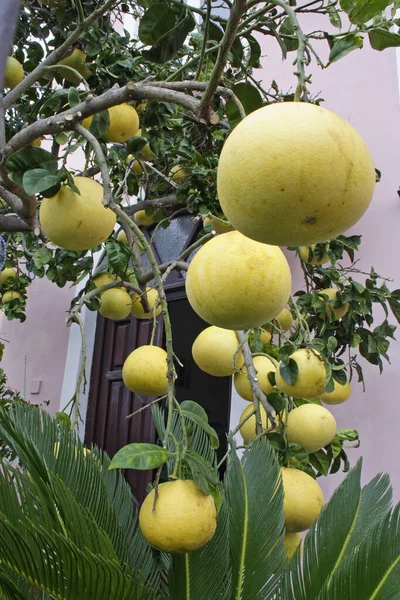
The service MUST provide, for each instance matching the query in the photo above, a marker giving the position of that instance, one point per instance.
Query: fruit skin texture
(303, 499)
(293, 173)
(312, 426)
(145, 371)
(263, 366)
(185, 518)
(213, 351)
(124, 123)
(310, 382)
(7, 273)
(76, 61)
(304, 253)
(77, 222)
(137, 308)
(177, 174)
(103, 278)
(115, 304)
(285, 321)
(136, 167)
(236, 283)
(334, 313)
(248, 429)
(8, 296)
(14, 73)
(142, 218)
(121, 236)
(290, 543)
(340, 394)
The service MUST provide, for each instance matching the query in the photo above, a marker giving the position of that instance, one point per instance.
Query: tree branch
(156, 203)
(237, 11)
(55, 56)
(12, 223)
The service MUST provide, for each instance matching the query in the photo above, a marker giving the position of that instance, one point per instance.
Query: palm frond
(256, 522)
(204, 574)
(338, 535)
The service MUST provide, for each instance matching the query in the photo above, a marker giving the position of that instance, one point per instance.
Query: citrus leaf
(365, 10)
(39, 180)
(140, 456)
(345, 46)
(287, 29)
(27, 159)
(41, 257)
(155, 23)
(382, 38)
(168, 45)
(202, 471)
(320, 461)
(194, 412)
(289, 372)
(100, 123)
(250, 98)
(73, 97)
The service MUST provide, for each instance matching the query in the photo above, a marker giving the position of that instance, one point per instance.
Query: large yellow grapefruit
(213, 351)
(7, 273)
(340, 393)
(14, 73)
(124, 123)
(236, 283)
(248, 429)
(303, 499)
(312, 426)
(184, 520)
(103, 279)
(77, 222)
(145, 371)
(263, 366)
(307, 256)
(334, 313)
(115, 304)
(137, 308)
(310, 381)
(293, 173)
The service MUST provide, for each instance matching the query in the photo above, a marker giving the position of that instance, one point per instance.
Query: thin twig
(146, 406)
(205, 39)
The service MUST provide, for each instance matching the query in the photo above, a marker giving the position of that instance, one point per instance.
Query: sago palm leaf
(256, 522)
(341, 533)
(204, 574)
(73, 496)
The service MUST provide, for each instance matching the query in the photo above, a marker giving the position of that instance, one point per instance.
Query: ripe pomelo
(312, 426)
(178, 174)
(103, 279)
(263, 366)
(340, 394)
(285, 321)
(142, 218)
(291, 541)
(7, 273)
(307, 256)
(14, 73)
(115, 304)
(310, 381)
(293, 173)
(248, 429)
(77, 222)
(145, 371)
(124, 123)
(8, 296)
(184, 520)
(236, 283)
(334, 313)
(213, 351)
(303, 499)
(137, 308)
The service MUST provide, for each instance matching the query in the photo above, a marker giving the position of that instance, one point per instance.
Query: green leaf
(255, 52)
(348, 434)
(382, 38)
(298, 455)
(395, 308)
(365, 10)
(27, 159)
(289, 372)
(202, 471)
(341, 48)
(169, 44)
(155, 23)
(256, 522)
(250, 98)
(347, 5)
(73, 97)
(100, 123)
(39, 180)
(140, 456)
(287, 29)
(118, 255)
(196, 413)
(320, 461)
(334, 16)
(42, 256)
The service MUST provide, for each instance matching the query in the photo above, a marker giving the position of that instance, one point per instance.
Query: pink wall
(39, 344)
(363, 89)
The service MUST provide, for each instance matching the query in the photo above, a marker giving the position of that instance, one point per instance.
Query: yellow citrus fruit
(306, 256)
(103, 279)
(340, 394)
(248, 429)
(185, 518)
(290, 542)
(312, 426)
(136, 167)
(216, 225)
(37, 142)
(14, 73)
(334, 313)
(137, 308)
(142, 218)
(285, 321)
(213, 351)
(145, 371)
(8, 296)
(265, 337)
(263, 366)
(178, 174)
(303, 499)
(76, 61)
(124, 123)
(310, 381)
(6, 274)
(115, 304)
(147, 152)
(77, 222)
(122, 237)
(293, 173)
(236, 283)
